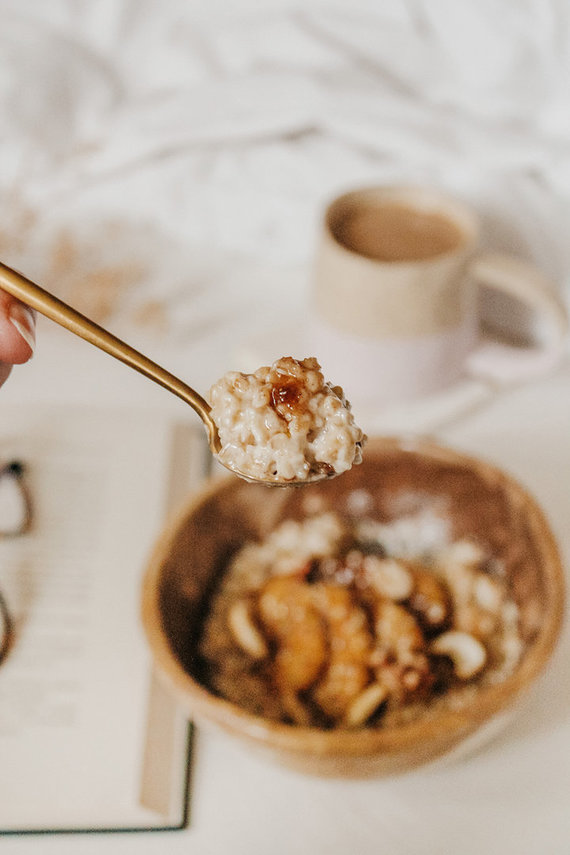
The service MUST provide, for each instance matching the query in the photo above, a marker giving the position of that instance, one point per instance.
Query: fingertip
(22, 318)
(17, 331)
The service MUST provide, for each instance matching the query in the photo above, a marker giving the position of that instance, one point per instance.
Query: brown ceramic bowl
(481, 501)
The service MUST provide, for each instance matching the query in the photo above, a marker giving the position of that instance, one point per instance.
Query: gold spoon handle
(47, 304)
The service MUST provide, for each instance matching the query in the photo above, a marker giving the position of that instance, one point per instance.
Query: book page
(75, 688)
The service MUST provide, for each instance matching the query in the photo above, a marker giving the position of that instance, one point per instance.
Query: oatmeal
(322, 624)
(285, 423)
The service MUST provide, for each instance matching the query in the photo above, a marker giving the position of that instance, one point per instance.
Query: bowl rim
(206, 707)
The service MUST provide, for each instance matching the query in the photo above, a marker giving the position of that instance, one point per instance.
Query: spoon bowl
(316, 478)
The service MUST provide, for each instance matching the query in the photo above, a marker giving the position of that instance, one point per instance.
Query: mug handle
(502, 363)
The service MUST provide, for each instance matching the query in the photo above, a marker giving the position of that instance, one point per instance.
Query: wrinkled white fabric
(206, 137)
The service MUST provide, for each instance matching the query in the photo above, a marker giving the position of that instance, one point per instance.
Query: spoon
(52, 307)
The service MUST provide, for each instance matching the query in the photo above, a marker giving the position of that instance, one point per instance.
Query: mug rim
(419, 196)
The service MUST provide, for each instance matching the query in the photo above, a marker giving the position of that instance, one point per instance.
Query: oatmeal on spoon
(282, 425)
(285, 424)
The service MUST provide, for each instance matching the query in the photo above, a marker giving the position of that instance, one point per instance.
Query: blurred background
(164, 163)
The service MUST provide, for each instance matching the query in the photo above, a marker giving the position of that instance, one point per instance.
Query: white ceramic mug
(395, 298)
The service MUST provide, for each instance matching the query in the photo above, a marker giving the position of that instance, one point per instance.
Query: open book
(89, 740)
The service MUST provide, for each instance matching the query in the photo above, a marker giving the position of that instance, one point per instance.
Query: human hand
(17, 334)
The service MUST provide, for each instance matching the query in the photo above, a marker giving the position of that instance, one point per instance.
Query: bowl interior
(396, 479)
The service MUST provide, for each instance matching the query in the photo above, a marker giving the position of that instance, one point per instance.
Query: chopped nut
(365, 704)
(465, 651)
(244, 630)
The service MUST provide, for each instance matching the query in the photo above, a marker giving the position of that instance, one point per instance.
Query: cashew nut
(466, 652)
(244, 630)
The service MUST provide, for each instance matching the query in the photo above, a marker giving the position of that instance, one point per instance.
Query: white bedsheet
(189, 147)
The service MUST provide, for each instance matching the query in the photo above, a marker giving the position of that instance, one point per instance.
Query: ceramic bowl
(479, 500)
